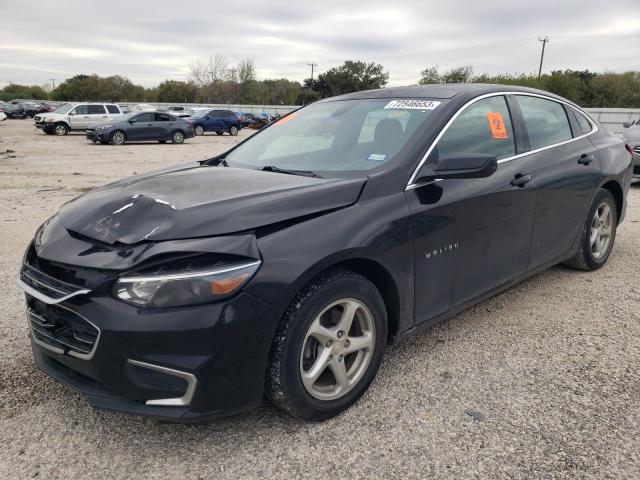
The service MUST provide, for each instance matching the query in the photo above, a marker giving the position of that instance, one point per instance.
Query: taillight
(629, 149)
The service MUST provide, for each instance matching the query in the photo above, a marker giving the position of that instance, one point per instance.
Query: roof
(440, 91)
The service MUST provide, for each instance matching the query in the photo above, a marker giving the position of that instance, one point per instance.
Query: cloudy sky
(149, 41)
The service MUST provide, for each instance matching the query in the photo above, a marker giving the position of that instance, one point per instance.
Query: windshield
(336, 136)
(65, 108)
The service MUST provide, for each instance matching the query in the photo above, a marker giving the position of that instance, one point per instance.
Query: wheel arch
(615, 188)
(370, 268)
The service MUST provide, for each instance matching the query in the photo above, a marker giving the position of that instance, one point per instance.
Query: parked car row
(21, 109)
(110, 123)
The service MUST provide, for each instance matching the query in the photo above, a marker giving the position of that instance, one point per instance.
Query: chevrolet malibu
(284, 266)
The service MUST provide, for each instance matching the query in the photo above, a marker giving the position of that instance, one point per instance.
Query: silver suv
(75, 116)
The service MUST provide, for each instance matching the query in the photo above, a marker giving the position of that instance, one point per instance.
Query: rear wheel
(598, 235)
(118, 137)
(177, 137)
(199, 130)
(60, 129)
(328, 346)
(233, 130)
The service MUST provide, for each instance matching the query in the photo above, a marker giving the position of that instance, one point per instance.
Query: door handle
(585, 159)
(521, 180)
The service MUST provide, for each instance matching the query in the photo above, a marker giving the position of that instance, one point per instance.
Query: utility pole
(544, 41)
(312, 65)
(53, 83)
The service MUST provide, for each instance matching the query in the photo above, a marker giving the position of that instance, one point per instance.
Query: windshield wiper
(215, 161)
(304, 173)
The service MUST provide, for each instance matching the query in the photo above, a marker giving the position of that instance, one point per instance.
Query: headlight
(102, 127)
(48, 119)
(190, 287)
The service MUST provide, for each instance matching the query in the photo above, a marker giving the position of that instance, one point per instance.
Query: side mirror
(628, 123)
(462, 165)
(132, 121)
(72, 112)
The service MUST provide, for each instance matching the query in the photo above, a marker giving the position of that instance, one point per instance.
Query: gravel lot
(542, 381)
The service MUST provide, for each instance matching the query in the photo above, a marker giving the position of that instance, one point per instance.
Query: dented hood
(200, 201)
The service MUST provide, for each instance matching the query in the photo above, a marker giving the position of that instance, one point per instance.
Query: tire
(199, 130)
(600, 227)
(177, 137)
(60, 129)
(233, 130)
(118, 138)
(219, 132)
(296, 349)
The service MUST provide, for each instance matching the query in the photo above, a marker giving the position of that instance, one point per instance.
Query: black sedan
(287, 264)
(141, 126)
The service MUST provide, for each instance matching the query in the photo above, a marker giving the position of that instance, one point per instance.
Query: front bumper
(181, 364)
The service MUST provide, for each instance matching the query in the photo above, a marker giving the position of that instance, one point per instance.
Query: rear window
(585, 125)
(546, 121)
(112, 109)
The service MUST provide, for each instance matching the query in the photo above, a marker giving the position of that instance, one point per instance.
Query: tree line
(215, 80)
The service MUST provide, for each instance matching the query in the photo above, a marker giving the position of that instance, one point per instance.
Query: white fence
(269, 109)
(613, 118)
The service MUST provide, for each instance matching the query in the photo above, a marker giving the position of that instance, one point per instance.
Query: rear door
(163, 126)
(97, 114)
(471, 235)
(565, 172)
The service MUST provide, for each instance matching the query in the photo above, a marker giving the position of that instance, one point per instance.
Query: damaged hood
(201, 201)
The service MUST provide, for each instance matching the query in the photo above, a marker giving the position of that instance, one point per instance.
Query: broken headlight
(189, 287)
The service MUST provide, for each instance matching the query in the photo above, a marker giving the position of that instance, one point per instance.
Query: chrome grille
(636, 149)
(61, 329)
(46, 288)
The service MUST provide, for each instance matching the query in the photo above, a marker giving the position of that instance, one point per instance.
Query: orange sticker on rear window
(496, 123)
(286, 119)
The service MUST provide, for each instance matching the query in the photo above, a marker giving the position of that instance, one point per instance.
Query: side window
(112, 109)
(583, 122)
(163, 117)
(483, 127)
(96, 109)
(81, 110)
(546, 121)
(146, 117)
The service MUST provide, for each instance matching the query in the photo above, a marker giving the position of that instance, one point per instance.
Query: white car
(143, 107)
(3, 116)
(75, 116)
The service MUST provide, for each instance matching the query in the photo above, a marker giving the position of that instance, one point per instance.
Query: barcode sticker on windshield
(412, 105)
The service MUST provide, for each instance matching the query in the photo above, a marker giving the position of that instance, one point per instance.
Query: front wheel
(598, 234)
(118, 137)
(233, 130)
(60, 129)
(199, 130)
(328, 346)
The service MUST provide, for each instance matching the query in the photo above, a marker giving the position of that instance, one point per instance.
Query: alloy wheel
(337, 349)
(601, 231)
(61, 130)
(178, 137)
(199, 130)
(117, 138)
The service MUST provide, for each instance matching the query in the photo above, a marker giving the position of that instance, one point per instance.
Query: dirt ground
(542, 381)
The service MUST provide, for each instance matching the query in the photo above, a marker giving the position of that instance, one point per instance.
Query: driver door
(471, 235)
(141, 126)
(79, 118)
